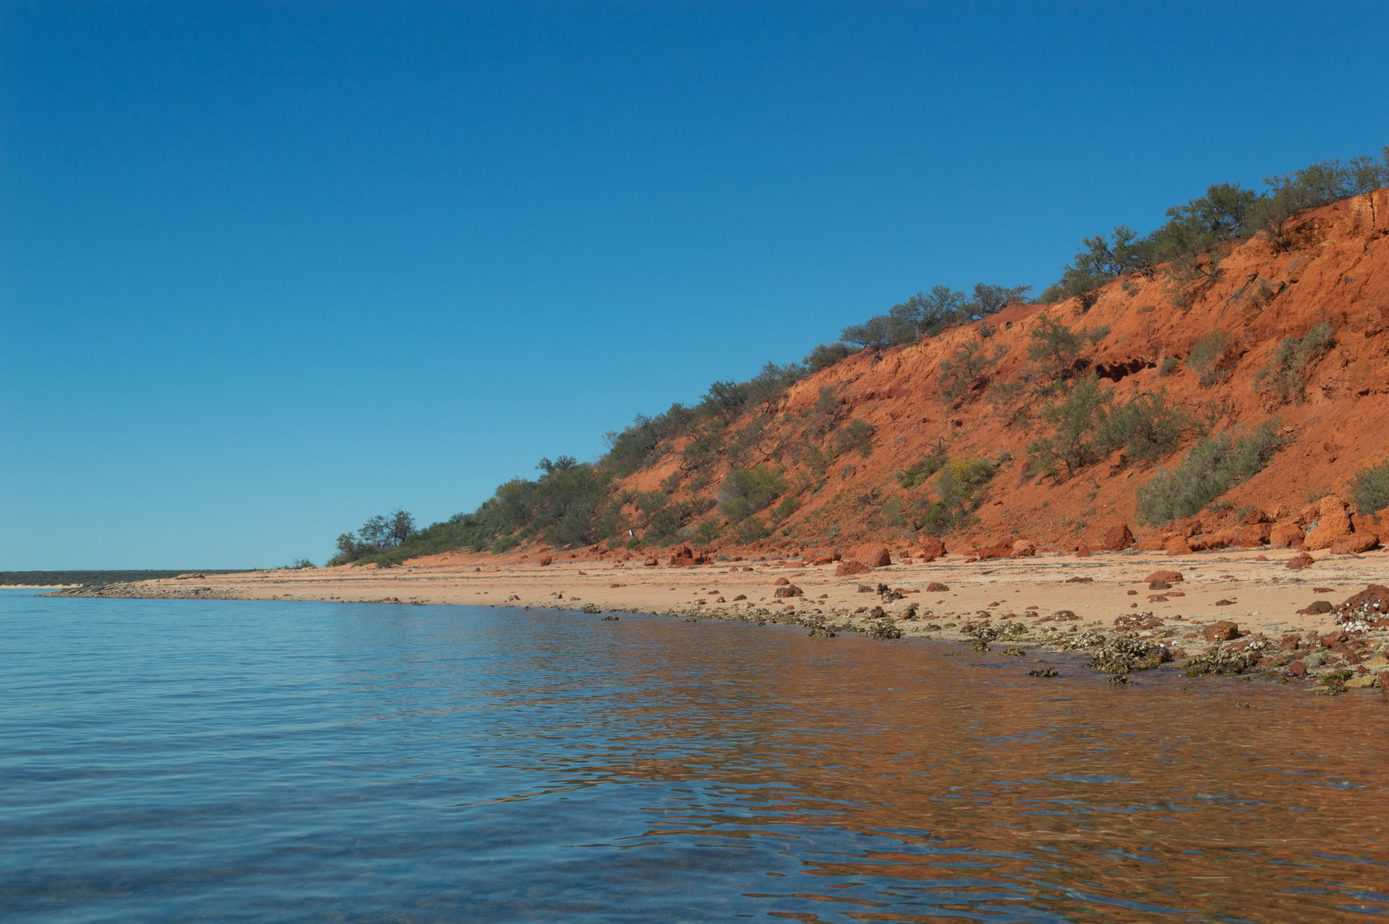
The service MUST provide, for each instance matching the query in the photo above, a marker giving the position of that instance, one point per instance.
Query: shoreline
(1234, 612)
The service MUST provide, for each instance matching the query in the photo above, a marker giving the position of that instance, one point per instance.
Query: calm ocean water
(228, 761)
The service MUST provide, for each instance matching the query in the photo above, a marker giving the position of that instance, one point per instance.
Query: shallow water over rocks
(272, 760)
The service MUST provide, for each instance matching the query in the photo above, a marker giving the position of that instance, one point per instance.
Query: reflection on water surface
(275, 760)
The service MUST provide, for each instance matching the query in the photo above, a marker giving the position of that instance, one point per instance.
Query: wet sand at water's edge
(1051, 602)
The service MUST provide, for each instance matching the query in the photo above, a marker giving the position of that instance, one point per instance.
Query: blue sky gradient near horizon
(271, 268)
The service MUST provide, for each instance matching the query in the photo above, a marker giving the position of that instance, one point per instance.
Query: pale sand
(1266, 594)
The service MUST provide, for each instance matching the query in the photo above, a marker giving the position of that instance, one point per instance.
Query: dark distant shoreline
(97, 577)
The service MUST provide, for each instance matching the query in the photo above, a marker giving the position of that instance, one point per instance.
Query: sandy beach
(1284, 621)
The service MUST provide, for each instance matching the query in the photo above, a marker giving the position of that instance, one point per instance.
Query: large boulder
(850, 568)
(1332, 524)
(1176, 545)
(874, 556)
(1355, 543)
(1285, 534)
(1023, 549)
(1113, 538)
(997, 550)
(685, 557)
(932, 548)
(1252, 535)
(1204, 542)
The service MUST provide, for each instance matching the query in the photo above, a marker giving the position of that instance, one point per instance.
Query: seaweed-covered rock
(1125, 653)
(1221, 661)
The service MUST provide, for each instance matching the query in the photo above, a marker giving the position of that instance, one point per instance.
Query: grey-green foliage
(1371, 488)
(1086, 427)
(855, 436)
(1054, 347)
(1285, 376)
(962, 368)
(926, 314)
(752, 530)
(959, 491)
(930, 463)
(1191, 237)
(748, 490)
(785, 509)
(1148, 428)
(1310, 187)
(1210, 358)
(1075, 421)
(705, 532)
(1214, 466)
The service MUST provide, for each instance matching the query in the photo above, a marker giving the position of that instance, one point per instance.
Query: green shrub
(752, 530)
(663, 520)
(1075, 421)
(1147, 428)
(706, 445)
(1170, 364)
(785, 509)
(1096, 334)
(1285, 376)
(1214, 466)
(959, 490)
(747, 490)
(923, 470)
(857, 435)
(1086, 429)
(705, 533)
(1210, 358)
(1054, 347)
(745, 440)
(826, 355)
(1371, 488)
(813, 458)
(962, 368)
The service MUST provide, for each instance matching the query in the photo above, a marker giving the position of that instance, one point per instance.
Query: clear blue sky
(268, 268)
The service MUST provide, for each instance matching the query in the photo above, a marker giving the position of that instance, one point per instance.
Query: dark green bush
(785, 509)
(705, 532)
(752, 530)
(1054, 348)
(1285, 376)
(1075, 421)
(1086, 428)
(826, 355)
(918, 474)
(1214, 466)
(926, 314)
(959, 491)
(856, 436)
(1371, 488)
(706, 445)
(961, 369)
(1147, 428)
(747, 490)
(1210, 358)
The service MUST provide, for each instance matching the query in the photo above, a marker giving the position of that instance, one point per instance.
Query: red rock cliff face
(1143, 328)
